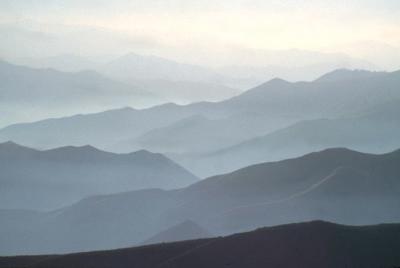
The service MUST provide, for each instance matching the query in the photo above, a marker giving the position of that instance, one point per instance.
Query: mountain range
(375, 130)
(336, 184)
(274, 114)
(171, 80)
(275, 104)
(50, 179)
(310, 244)
(29, 94)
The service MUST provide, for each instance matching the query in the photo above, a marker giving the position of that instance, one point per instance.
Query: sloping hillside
(276, 100)
(312, 244)
(337, 185)
(34, 179)
(375, 130)
(29, 94)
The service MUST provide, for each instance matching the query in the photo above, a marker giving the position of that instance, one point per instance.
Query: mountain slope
(274, 101)
(198, 134)
(336, 184)
(52, 93)
(184, 92)
(376, 130)
(134, 66)
(99, 129)
(187, 230)
(54, 178)
(311, 244)
(322, 97)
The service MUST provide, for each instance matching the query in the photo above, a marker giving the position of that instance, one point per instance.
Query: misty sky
(204, 32)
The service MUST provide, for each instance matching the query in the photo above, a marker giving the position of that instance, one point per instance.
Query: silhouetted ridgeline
(304, 245)
(375, 130)
(273, 101)
(50, 179)
(337, 185)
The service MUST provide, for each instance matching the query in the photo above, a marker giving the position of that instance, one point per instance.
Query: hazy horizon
(227, 33)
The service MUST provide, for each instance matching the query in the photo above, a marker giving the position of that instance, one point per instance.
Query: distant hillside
(347, 75)
(338, 185)
(50, 179)
(198, 134)
(184, 92)
(187, 230)
(376, 130)
(312, 244)
(28, 94)
(324, 97)
(273, 105)
(133, 66)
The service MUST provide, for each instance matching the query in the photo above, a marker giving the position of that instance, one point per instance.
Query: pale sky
(188, 30)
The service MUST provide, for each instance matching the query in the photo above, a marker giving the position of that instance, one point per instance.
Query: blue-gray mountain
(33, 179)
(30, 94)
(375, 130)
(336, 185)
(259, 111)
(186, 230)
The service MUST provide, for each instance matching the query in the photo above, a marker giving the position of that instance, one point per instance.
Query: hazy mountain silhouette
(198, 134)
(272, 193)
(252, 75)
(187, 230)
(376, 130)
(63, 62)
(320, 98)
(336, 184)
(311, 244)
(276, 101)
(173, 81)
(99, 129)
(54, 93)
(134, 66)
(184, 92)
(346, 74)
(170, 80)
(54, 178)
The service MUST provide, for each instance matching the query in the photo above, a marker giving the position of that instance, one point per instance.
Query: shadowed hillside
(376, 130)
(54, 178)
(337, 185)
(187, 230)
(312, 245)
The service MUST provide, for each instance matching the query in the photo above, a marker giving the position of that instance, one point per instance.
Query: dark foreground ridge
(313, 244)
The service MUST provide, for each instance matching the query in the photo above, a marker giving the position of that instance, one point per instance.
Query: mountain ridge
(337, 185)
(63, 175)
(279, 246)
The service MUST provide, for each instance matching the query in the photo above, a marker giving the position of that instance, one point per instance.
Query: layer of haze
(211, 33)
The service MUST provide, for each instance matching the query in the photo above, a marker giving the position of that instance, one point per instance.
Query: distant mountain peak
(278, 80)
(11, 149)
(185, 230)
(275, 82)
(347, 74)
(143, 152)
(76, 151)
(10, 145)
(334, 153)
(127, 108)
(337, 150)
(82, 147)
